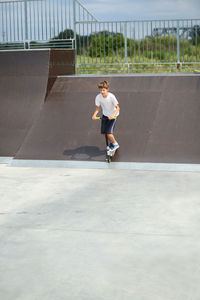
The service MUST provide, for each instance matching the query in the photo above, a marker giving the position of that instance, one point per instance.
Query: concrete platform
(98, 234)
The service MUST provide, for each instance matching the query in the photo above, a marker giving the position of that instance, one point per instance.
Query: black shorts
(107, 126)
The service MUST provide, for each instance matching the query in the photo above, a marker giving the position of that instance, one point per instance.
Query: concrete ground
(99, 234)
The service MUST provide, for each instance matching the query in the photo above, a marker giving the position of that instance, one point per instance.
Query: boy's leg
(114, 144)
(112, 138)
(108, 126)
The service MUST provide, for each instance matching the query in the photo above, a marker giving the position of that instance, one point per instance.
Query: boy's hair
(103, 85)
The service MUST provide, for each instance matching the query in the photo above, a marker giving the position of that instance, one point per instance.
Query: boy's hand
(111, 117)
(94, 117)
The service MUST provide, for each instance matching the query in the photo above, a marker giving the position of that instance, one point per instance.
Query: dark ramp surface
(23, 82)
(159, 120)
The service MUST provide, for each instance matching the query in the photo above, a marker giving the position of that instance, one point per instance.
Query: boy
(110, 108)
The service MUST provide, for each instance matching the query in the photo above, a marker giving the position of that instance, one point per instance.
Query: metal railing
(69, 43)
(120, 46)
(129, 46)
(28, 22)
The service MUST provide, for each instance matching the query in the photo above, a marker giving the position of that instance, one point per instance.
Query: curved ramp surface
(159, 120)
(23, 82)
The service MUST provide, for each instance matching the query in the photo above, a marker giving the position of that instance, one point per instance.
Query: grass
(150, 55)
(138, 64)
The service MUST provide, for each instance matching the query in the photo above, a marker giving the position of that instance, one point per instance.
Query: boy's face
(104, 92)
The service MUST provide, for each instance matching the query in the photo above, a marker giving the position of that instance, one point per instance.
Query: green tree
(194, 34)
(105, 43)
(66, 34)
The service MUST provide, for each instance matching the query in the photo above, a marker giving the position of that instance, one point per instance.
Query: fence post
(26, 20)
(125, 41)
(74, 17)
(178, 48)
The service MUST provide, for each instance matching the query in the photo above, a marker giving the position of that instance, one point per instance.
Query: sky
(115, 10)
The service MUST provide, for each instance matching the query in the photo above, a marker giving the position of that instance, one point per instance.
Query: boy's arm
(115, 112)
(95, 113)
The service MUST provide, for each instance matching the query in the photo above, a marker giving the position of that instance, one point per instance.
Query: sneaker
(111, 146)
(115, 147)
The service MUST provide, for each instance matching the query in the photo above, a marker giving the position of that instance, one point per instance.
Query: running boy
(110, 108)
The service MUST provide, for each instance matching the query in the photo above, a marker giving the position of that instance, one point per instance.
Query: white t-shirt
(107, 104)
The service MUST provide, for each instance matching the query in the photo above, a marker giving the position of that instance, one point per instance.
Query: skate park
(74, 226)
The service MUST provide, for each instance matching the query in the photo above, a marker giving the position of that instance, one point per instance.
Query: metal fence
(120, 46)
(138, 45)
(40, 23)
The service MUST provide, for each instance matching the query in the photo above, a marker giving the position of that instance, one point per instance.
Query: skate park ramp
(158, 122)
(26, 77)
(23, 82)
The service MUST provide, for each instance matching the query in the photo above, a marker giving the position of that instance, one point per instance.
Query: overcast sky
(111, 10)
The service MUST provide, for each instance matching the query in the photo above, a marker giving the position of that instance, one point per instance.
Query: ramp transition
(23, 81)
(25, 78)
